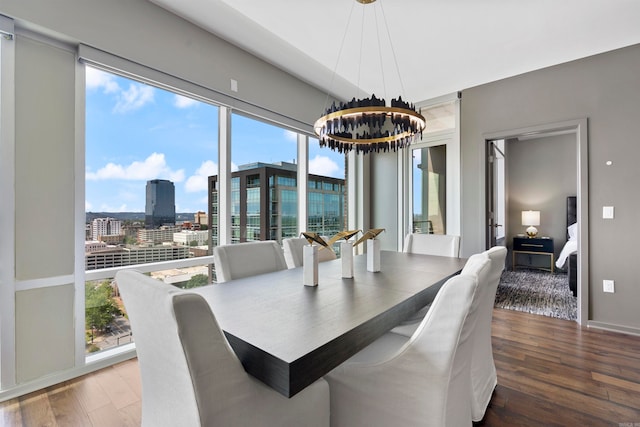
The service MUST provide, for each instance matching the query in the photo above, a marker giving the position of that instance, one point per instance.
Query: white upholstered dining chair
(483, 370)
(247, 259)
(419, 381)
(191, 376)
(293, 248)
(426, 244)
(432, 244)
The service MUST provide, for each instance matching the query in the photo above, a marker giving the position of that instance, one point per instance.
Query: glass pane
(327, 191)
(264, 174)
(106, 321)
(430, 189)
(148, 155)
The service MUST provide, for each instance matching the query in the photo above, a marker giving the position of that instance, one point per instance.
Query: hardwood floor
(550, 373)
(109, 397)
(554, 373)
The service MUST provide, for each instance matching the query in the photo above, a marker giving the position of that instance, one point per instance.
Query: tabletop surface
(289, 335)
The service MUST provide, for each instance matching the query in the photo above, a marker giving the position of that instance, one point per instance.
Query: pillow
(573, 231)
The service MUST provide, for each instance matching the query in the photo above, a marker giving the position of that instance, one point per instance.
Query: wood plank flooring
(554, 373)
(110, 397)
(550, 373)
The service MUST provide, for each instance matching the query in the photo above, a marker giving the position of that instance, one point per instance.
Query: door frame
(491, 193)
(580, 128)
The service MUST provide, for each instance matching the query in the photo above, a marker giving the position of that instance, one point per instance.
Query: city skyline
(136, 132)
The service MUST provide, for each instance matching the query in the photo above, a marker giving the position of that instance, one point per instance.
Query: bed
(568, 258)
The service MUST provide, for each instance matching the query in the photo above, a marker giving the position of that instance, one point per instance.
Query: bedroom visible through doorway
(536, 169)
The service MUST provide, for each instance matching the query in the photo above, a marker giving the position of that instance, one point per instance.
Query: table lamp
(531, 218)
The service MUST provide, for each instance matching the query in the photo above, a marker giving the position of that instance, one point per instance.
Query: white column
(303, 188)
(224, 175)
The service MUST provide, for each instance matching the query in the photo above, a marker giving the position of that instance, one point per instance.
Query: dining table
(289, 335)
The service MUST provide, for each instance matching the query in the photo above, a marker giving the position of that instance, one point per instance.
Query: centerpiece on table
(310, 257)
(373, 248)
(346, 251)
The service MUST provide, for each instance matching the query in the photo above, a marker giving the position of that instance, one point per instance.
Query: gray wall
(541, 173)
(605, 89)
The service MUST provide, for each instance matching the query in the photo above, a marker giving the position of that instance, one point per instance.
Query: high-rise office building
(160, 208)
(264, 203)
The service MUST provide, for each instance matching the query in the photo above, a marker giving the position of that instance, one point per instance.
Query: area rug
(537, 292)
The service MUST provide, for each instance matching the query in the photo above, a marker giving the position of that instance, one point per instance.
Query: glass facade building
(160, 207)
(264, 203)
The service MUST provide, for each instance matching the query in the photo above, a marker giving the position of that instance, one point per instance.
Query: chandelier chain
(335, 68)
(361, 49)
(384, 83)
(393, 51)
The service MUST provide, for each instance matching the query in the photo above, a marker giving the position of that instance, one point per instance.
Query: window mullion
(303, 188)
(224, 176)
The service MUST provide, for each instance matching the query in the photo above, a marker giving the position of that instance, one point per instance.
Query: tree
(100, 306)
(130, 240)
(196, 280)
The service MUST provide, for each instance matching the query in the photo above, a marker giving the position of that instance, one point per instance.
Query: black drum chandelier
(368, 125)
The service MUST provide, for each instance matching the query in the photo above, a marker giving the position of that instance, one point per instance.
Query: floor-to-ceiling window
(148, 155)
(151, 156)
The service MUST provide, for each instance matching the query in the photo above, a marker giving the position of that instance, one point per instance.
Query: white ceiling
(440, 46)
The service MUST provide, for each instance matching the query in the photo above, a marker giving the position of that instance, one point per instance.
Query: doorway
(498, 191)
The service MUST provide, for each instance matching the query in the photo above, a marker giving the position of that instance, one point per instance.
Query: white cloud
(290, 135)
(321, 165)
(87, 206)
(199, 181)
(153, 167)
(234, 167)
(97, 79)
(180, 101)
(137, 96)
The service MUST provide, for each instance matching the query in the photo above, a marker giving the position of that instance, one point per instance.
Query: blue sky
(136, 132)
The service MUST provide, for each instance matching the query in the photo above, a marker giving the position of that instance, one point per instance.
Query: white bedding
(569, 247)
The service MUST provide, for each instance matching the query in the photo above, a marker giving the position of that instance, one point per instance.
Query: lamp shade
(530, 217)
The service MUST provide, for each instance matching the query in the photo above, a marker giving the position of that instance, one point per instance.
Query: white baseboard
(613, 328)
(93, 364)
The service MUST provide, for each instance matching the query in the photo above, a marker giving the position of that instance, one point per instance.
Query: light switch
(234, 85)
(608, 286)
(607, 212)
